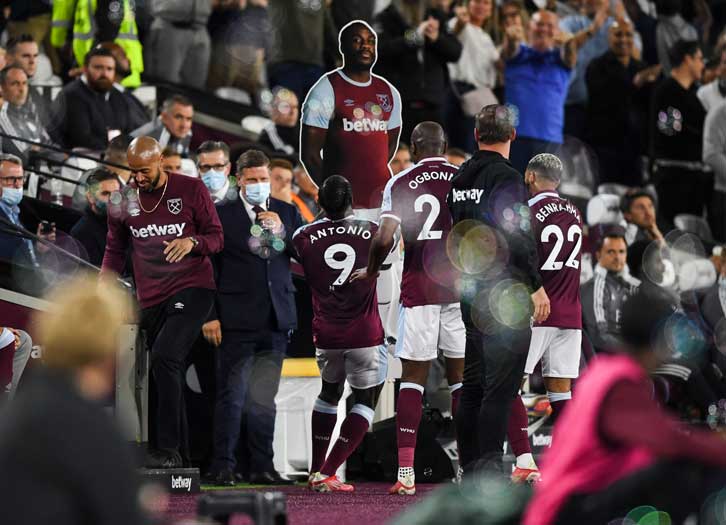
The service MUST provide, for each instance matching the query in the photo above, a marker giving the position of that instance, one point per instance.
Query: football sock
(517, 428)
(408, 416)
(324, 418)
(352, 430)
(558, 401)
(455, 391)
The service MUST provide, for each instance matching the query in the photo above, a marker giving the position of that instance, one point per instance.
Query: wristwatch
(194, 242)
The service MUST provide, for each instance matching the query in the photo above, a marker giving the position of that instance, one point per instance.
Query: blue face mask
(214, 180)
(257, 193)
(13, 196)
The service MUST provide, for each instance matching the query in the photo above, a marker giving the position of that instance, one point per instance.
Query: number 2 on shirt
(552, 263)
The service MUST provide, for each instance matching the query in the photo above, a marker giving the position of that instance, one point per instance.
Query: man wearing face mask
(91, 230)
(167, 222)
(13, 248)
(213, 165)
(254, 316)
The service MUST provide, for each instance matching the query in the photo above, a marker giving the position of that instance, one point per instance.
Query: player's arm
(395, 123)
(208, 239)
(312, 140)
(117, 243)
(381, 246)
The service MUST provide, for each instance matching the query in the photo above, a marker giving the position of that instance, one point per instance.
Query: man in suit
(254, 315)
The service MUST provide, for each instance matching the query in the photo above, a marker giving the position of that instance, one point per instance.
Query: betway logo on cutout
(364, 124)
(155, 230)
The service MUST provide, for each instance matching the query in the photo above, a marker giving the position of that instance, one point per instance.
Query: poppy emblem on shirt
(385, 102)
(174, 206)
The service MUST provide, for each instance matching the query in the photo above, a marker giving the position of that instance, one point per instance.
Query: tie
(257, 210)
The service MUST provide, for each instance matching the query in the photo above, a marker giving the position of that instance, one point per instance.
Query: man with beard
(90, 231)
(171, 228)
(89, 111)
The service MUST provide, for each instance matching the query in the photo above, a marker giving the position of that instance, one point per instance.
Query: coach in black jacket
(253, 317)
(488, 202)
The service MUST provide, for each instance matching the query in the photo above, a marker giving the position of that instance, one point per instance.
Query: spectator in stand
(714, 155)
(88, 111)
(474, 76)
(603, 296)
(300, 32)
(282, 135)
(91, 229)
(281, 177)
(116, 154)
(512, 14)
(78, 25)
(61, 421)
(19, 343)
(18, 116)
(401, 159)
(639, 210)
(713, 93)
(619, 88)
(123, 70)
(670, 29)
(178, 46)
(414, 47)
(173, 127)
(677, 118)
(540, 105)
(13, 248)
(591, 33)
(214, 167)
(456, 156)
(171, 161)
(240, 41)
(637, 452)
(23, 51)
(33, 17)
(645, 26)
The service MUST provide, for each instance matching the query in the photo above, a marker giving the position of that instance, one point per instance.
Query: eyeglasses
(12, 181)
(203, 168)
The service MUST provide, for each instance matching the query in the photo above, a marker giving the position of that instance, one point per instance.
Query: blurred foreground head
(82, 326)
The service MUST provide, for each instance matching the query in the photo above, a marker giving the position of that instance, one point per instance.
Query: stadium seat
(254, 124)
(696, 275)
(612, 188)
(234, 94)
(695, 225)
(604, 209)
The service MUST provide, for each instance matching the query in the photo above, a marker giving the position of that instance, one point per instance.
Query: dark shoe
(269, 478)
(225, 478)
(163, 460)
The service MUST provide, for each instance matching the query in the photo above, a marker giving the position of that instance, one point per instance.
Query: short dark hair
(97, 176)
(495, 124)
(644, 317)
(281, 163)
(118, 145)
(681, 49)
(348, 29)
(613, 233)
(402, 146)
(456, 152)
(170, 152)
(546, 165)
(15, 41)
(626, 201)
(175, 99)
(98, 52)
(668, 7)
(336, 195)
(252, 158)
(210, 146)
(6, 71)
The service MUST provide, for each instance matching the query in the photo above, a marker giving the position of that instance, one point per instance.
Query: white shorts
(362, 367)
(424, 330)
(559, 350)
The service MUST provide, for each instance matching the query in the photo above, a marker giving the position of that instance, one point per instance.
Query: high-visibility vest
(84, 29)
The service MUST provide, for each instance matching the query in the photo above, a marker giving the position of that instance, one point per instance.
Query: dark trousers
(171, 328)
(524, 148)
(416, 111)
(681, 190)
(459, 126)
(717, 215)
(575, 120)
(493, 370)
(248, 376)
(295, 76)
(676, 487)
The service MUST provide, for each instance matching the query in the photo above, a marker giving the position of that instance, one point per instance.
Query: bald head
(144, 159)
(427, 140)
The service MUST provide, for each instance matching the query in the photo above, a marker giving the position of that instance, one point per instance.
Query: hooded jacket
(487, 189)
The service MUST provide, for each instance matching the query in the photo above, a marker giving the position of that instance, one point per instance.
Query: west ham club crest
(174, 206)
